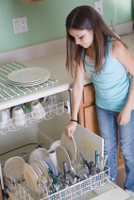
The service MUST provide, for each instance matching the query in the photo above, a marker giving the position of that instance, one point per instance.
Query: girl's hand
(70, 128)
(124, 116)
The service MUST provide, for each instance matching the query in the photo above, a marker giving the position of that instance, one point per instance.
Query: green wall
(46, 19)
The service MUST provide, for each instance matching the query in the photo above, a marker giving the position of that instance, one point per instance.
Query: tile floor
(121, 176)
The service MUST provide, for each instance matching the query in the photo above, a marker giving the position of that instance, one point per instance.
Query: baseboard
(124, 28)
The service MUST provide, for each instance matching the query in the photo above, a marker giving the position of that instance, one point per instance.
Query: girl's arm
(122, 54)
(76, 98)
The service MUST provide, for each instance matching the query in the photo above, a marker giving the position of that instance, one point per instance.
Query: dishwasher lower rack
(20, 189)
(50, 111)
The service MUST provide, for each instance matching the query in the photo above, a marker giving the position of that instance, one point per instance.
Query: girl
(90, 42)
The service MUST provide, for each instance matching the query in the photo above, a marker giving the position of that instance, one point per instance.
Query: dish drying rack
(50, 112)
(20, 189)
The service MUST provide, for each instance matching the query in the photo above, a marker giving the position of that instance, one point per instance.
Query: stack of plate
(28, 77)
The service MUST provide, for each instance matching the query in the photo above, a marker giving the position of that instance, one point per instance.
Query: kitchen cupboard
(87, 111)
(88, 117)
(0, 192)
(30, 1)
(120, 160)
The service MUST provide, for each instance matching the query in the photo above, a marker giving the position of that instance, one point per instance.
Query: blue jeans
(109, 127)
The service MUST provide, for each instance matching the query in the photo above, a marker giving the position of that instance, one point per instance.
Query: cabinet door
(88, 95)
(120, 160)
(88, 98)
(91, 119)
(1, 198)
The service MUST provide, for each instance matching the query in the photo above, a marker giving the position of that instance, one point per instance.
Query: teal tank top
(112, 85)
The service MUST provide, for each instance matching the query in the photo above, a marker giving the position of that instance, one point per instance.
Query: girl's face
(83, 38)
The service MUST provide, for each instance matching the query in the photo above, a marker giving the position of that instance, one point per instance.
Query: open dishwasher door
(88, 142)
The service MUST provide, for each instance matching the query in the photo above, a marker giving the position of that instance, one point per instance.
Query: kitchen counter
(55, 63)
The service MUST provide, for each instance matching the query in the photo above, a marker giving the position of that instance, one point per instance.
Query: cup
(27, 107)
(44, 103)
(37, 110)
(18, 116)
(52, 102)
(4, 118)
(52, 155)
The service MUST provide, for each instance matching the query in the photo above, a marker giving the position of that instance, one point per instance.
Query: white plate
(62, 156)
(36, 169)
(31, 178)
(31, 83)
(38, 154)
(69, 145)
(28, 85)
(13, 167)
(51, 164)
(28, 74)
(54, 145)
(41, 165)
(45, 165)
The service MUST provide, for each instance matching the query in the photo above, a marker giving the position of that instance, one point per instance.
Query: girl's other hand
(70, 128)
(124, 116)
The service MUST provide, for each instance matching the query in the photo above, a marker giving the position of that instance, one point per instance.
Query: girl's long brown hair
(85, 17)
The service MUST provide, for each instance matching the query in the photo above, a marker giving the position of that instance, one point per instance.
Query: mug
(4, 118)
(18, 116)
(37, 110)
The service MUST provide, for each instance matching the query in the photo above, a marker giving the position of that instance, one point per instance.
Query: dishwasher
(19, 140)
